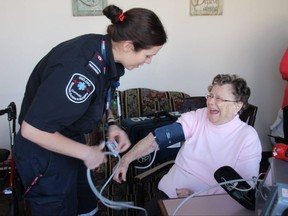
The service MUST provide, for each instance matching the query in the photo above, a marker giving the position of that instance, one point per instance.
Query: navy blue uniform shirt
(67, 89)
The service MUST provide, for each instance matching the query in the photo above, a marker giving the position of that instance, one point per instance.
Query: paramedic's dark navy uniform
(65, 93)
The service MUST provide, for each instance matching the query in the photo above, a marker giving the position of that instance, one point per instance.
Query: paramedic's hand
(116, 133)
(120, 175)
(183, 192)
(95, 157)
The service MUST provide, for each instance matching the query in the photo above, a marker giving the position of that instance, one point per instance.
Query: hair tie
(121, 17)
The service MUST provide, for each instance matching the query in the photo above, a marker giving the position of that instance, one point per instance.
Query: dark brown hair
(140, 25)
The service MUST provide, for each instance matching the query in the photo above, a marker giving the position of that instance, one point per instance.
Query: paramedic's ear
(128, 46)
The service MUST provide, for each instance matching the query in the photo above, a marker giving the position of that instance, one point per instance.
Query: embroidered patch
(79, 88)
(96, 63)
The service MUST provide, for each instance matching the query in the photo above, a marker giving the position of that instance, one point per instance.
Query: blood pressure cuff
(169, 135)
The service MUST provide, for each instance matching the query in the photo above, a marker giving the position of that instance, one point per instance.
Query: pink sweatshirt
(209, 147)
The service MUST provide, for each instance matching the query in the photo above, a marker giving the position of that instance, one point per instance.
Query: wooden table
(221, 204)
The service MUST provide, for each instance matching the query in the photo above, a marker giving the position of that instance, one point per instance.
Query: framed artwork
(88, 7)
(206, 7)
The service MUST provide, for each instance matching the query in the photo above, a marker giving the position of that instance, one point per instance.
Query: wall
(248, 39)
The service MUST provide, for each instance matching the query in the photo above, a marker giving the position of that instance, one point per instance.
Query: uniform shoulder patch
(79, 88)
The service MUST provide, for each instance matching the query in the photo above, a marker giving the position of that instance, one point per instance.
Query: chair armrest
(154, 171)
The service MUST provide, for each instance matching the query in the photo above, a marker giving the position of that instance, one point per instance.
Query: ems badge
(79, 88)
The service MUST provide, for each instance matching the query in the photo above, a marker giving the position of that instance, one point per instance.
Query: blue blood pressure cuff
(169, 135)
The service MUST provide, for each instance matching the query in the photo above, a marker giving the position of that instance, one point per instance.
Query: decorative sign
(88, 7)
(206, 7)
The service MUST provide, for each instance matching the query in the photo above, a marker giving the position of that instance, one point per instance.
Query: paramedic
(67, 94)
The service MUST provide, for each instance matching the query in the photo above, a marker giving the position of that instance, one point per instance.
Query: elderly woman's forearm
(144, 147)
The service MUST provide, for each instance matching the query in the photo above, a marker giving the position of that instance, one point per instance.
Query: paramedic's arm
(92, 156)
(142, 148)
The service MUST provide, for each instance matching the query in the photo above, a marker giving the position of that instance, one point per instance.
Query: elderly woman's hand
(183, 192)
(120, 174)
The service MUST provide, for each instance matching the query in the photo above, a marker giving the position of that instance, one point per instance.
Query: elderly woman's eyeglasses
(218, 99)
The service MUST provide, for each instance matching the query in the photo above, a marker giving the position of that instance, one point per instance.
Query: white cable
(110, 203)
(234, 186)
(152, 161)
(211, 187)
(259, 193)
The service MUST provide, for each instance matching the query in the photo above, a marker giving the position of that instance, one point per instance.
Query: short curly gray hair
(241, 91)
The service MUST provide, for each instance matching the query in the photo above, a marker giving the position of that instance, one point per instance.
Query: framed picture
(88, 7)
(206, 8)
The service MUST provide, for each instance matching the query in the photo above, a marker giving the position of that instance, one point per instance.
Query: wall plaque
(206, 7)
(88, 7)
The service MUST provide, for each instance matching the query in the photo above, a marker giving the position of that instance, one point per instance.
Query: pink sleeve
(191, 120)
(248, 162)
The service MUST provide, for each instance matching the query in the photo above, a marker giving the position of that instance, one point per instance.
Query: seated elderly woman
(214, 137)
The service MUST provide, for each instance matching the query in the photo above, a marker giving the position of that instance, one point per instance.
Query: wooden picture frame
(206, 8)
(88, 7)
